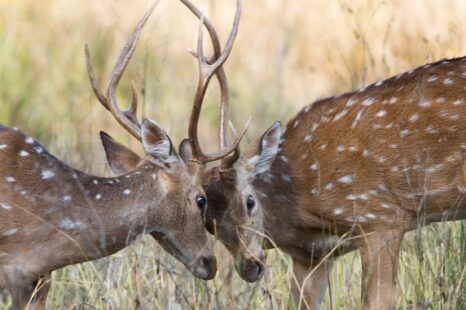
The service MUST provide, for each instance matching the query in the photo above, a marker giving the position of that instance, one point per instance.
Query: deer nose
(252, 269)
(206, 267)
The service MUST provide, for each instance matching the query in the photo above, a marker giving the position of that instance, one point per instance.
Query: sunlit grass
(288, 53)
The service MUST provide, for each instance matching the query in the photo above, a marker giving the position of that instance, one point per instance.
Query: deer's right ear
(156, 142)
(185, 150)
(267, 149)
(119, 157)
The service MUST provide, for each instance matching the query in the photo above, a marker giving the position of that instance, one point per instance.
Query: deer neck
(49, 205)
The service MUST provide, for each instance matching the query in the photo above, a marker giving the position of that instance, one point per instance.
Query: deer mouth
(203, 267)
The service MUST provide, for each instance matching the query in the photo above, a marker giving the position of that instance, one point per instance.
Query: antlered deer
(371, 164)
(53, 215)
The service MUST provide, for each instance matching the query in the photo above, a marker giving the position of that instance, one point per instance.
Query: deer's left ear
(156, 142)
(120, 158)
(264, 152)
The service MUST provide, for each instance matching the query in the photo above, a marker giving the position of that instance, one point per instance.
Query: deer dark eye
(201, 202)
(250, 203)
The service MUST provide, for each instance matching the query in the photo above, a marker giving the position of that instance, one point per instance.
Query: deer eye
(250, 203)
(201, 202)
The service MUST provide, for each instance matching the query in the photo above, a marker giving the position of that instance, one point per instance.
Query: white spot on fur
(414, 117)
(448, 81)
(95, 182)
(385, 205)
(440, 100)
(286, 178)
(126, 192)
(350, 102)
(29, 140)
(10, 179)
(23, 153)
(382, 159)
(329, 186)
(352, 149)
(395, 169)
(10, 232)
(338, 211)
(381, 113)
(340, 115)
(69, 224)
(368, 102)
(346, 179)
(47, 174)
(393, 100)
(356, 120)
(340, 148)
(66, 198)
(404, 133)
(323, 146)
(315, 166)
(378, 83)
(5, 206)
(284, 159)
(434, 168)
(370, 215)
(458, 101)
(38, 149)
(425, 104)
(3, 146)
(432, 78)
(365, 153)
(98, 196)
(307, 138)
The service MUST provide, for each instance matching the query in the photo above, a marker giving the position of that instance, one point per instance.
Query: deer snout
(252, 269)
(205, 267)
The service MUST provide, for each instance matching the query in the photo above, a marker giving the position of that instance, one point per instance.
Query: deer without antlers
(49, 208)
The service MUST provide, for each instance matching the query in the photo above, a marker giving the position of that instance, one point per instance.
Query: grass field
(288, 53)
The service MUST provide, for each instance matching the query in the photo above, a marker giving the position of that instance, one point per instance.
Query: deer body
(53, 215)
(374, 163)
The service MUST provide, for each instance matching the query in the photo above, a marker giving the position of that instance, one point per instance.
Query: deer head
(179, 228)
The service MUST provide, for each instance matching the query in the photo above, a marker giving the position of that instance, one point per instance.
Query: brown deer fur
(53, 215)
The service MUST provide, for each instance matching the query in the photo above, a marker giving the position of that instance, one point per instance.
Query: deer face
(172, 195)
(235, 214)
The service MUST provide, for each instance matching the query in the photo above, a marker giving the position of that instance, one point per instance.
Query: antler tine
(127, 118)
(206, 70)
(220, 74)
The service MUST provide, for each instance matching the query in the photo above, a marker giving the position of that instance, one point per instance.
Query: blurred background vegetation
(287, 54)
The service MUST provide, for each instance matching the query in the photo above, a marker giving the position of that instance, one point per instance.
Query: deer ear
(156, 142)
(267, 149)
(120, 158)
(186, 153)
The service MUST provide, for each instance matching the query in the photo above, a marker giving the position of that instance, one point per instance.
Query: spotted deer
(354, 171)
(53, 215)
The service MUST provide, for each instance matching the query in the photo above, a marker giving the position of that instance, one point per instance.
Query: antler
(207, 68)
(127, 118)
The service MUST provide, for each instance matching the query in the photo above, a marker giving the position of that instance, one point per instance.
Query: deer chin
(251, 269)
(203, 266)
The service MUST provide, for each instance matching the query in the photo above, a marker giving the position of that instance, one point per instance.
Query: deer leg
(31, 295)
(379, 256)
(309, 289)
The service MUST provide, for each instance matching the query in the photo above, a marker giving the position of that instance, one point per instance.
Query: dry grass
(288, 54)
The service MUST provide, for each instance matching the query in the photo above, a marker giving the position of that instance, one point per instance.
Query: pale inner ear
(268, 149)
(120, 158)
(156, 142)
(185, 150)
